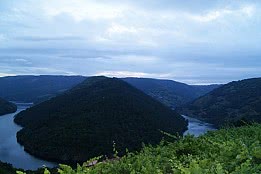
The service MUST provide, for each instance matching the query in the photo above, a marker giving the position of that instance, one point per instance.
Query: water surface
(197, 127)
(11, 151)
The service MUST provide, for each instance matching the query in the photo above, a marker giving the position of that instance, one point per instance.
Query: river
(11, 151)
(197, 127)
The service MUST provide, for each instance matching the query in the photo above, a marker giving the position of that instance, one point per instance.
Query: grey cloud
(15, 61)
(56, 38)
(185, 49)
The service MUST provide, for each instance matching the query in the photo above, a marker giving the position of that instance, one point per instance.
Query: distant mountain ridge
(171, 93)
(235, 101)
(85, 121)
(6, 107)
(36, 88)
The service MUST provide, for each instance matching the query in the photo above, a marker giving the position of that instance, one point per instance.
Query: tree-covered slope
(35, 88)
(6, 168)
(233, 151)
(169, 92)
(227, 151)
(235, 101)
(6, 107)
(40, 88)
(86, 120)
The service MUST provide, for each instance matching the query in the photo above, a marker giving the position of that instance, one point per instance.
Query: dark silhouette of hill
(85, 121)
(35, 88)
(169, 92)
(6, 107)
(233, 102)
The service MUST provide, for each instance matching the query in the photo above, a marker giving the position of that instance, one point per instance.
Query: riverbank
(10, 150)
(197, 127)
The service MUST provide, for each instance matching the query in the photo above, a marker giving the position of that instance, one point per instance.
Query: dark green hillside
(6, 107)
(226, 151)
(232, 150)
(235, 101)
(40, 88)
(6, 168)
(85, 121)
(169, 92)
(35, 88)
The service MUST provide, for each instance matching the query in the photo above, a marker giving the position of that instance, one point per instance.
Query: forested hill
(226, 151)
(6, 107)
(233, 102)
(85, 121)
(35, 88)
(169, 92)
(40, 88)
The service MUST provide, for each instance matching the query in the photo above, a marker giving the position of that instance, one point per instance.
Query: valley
(13, 153)
(10, 150)
(130, 87)
(103, 116)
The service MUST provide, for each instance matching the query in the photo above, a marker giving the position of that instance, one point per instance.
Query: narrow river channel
(197, 127)
(11, 151)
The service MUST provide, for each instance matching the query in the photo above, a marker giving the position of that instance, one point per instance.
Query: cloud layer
(194, 42)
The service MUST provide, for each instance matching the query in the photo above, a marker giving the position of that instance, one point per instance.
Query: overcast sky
(196, 42)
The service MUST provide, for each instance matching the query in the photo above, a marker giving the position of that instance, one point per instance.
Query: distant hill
(6, 107)
(86, 120)
(35, 88)
(235, 101)
(169, 92)
(40, 88)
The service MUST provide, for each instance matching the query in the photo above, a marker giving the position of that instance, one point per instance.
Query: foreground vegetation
(9, 169)
(235, 151)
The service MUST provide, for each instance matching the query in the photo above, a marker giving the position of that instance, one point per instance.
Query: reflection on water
(197, 127)
(12, 152)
